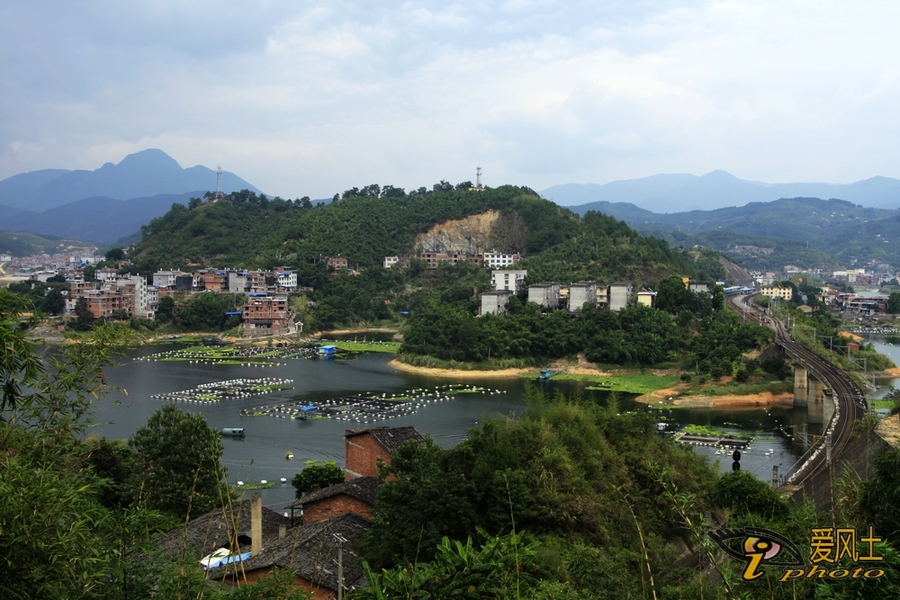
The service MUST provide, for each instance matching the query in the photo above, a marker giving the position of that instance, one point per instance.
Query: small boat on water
(546, 374)
(233, 431)
(289, 455)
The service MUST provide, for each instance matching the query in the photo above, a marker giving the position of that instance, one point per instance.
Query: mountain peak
(151, 158)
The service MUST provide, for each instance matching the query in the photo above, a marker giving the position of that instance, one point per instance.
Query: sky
(305, 98)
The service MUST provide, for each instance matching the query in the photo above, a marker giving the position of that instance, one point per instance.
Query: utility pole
(341, 540)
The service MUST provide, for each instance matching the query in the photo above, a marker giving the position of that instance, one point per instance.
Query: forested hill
(365, 225)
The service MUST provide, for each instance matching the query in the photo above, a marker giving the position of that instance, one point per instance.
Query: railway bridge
(830, 395)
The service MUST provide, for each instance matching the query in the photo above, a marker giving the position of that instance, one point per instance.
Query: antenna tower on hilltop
(219, 193)
(478, 177)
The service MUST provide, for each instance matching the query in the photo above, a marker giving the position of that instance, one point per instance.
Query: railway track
(849, 399)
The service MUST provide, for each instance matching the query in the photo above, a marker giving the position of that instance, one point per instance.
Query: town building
(265, 314)
(777, 292)
(494, 303)
(363, 448)
(544, 294)
(337, 263)
(500, 260)
(508, 279)
(355, 496)
(434, 258)
(647, 298)
(581, 293)
(619, 295)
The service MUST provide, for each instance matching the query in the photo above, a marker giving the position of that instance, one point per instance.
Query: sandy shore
(764, 399)
(325, 334)
(459, 373)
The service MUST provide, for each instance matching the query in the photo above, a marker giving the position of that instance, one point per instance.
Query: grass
(257, 486)
(703, 430)
(436, 363)
(271, 388)
(881, 403)
(389, 347)
(635, 383)
(736, 389)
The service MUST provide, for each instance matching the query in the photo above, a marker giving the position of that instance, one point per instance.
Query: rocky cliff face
(470, 235)
(490, 230)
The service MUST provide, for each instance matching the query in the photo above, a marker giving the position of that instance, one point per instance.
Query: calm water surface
(261, 454)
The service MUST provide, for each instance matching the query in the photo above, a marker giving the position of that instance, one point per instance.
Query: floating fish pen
(250, 356)
(366, 408)
(717, 441)
(206, 393)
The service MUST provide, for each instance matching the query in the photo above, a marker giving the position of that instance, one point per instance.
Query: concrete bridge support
(815, 407)
(801, 385)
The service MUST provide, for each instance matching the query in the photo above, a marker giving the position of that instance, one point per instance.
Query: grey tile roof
(389, 437)
(217, 529)
(311, 551)
(361, 488)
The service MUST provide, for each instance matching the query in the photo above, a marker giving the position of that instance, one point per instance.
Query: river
(261, 453)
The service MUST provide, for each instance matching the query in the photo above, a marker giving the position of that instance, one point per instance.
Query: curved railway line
(849, 399)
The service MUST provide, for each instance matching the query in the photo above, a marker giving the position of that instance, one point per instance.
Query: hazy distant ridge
(718, 189)
(142, 174)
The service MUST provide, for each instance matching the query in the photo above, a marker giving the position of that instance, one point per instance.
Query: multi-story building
(777, 292)
(619, 295)
(495, 302)
(581, 293)
(508, 279)
(266, 314)
(545, 294)
(500, 260)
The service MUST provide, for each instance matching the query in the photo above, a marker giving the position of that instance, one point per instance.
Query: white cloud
(310, 98)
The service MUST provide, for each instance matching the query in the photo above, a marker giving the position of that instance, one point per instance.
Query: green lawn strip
(881, 403)
(271, 388)
(390, 347)
(776, 387)
(257, 486)
(636, 383)
(703, 430)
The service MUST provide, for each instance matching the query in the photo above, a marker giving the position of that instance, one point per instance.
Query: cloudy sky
(311, 98)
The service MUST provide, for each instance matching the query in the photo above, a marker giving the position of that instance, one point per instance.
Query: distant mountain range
(108, 203)
(99, 219)
(139, 175)
(807, 232)
(718, 189)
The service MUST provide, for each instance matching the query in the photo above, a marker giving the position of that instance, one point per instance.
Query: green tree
(166, 308)
(115, 254)
(84, 318)
(893, 303)
(317, 474)
(178, 457)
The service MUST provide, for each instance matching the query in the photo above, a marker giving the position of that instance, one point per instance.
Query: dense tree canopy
(179, 463)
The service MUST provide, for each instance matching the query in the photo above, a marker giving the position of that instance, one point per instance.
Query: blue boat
(546, 374)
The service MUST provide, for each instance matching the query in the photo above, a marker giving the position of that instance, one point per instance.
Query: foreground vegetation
(569, 500)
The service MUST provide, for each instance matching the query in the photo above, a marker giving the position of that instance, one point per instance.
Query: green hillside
(245, 230)
(25, 243)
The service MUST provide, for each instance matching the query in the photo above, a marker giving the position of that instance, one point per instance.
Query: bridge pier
(801, 385)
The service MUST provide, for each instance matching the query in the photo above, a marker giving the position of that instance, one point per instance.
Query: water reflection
(261, 453)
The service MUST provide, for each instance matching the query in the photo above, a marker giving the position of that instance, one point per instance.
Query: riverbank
(459, 373)
(671, 397)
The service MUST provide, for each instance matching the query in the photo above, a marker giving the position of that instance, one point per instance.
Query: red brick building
(356, 496)
(363, 448)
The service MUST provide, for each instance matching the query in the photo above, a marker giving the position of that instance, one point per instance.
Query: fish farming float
(367, 408)
(207, 393)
